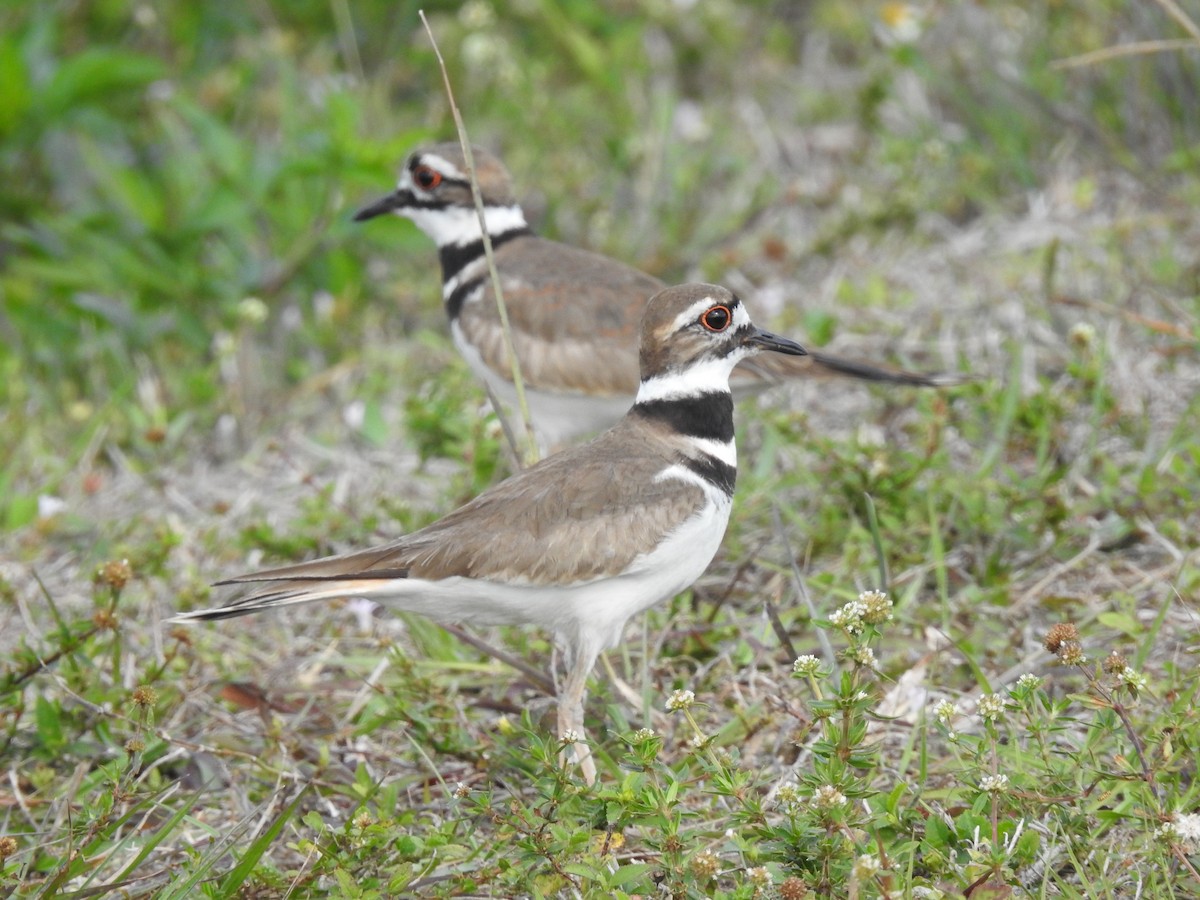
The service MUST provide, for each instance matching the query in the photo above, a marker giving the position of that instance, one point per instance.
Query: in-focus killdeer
(574, 314)
(589, 537)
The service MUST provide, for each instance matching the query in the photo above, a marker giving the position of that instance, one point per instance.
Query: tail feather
(287, 593)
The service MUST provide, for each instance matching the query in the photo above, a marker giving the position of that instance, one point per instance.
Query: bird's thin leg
(570, 711)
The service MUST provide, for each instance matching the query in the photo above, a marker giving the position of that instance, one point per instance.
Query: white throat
(708, 377)
(454, 226)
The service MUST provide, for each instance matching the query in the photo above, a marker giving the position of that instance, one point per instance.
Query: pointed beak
(768, 341)
(398, 199)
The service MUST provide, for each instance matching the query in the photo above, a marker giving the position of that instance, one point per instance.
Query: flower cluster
(828, 797)
(991, 707)
(1063, 641)
(680, 700)
(871, 608)
(944, 712)
(807, 666)
(705, 864)
(994, 784)
(878, 606)
(867, 866)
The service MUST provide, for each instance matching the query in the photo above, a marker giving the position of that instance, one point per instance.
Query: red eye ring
(426, 178)
(716, 318)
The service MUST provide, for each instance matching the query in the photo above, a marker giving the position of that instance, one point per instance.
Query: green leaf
(49, 724)
(819, 327)
(374, 428)
(16, 98)
(1122, 622)
(94, 76)
(231, 884)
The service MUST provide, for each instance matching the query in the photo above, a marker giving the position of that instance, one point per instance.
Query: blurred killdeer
(574, 314)
(589, 537)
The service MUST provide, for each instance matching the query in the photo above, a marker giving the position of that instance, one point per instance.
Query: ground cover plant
(949, 646)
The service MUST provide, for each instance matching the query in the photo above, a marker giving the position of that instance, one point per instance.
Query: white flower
(994, 784)
(806, 666)
(991, 707)
(877, 607)
(944, 711)
(828, 797)
(1133, 679)
(680, 700)
(849, 617)
(759, 877)
(1185, 828)
(867, 866)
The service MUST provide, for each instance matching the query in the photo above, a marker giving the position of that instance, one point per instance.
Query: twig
(538, 678)
(531, 451)
(1137, 48)
(1181, 18)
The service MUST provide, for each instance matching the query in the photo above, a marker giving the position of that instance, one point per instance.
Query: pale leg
(570, 710)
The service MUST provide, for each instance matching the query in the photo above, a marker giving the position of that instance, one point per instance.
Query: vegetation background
(206, 366)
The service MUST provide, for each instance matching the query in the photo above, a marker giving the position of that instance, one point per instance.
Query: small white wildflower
(865, 656)
(1134, 679)
(680, 700)
(697, 741)
(1167, 832)
(1187, 826)
(571, 736)
(994, 784)
(355, 415)
(877, 607)
(1082, 334)
(1029, 681)
(461, 790)
(867, 866)
(944, 711)
(759, 877)
(1072, 654)
(899, 23)
(849, 617)
(705, 864)
(806, 666)
(48, 506)
(252, 310)
(787, 795)
(991, 707)
(643, 734)
(828, 797)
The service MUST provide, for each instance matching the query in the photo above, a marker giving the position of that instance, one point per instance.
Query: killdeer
(573, 314)
(587, 538)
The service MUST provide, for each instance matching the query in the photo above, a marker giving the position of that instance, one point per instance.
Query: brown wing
(579, 329)
(575, 516)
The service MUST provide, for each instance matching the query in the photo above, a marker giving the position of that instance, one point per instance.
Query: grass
(207, 367)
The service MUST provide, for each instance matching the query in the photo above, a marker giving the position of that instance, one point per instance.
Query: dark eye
(717, 318)
(426, 177)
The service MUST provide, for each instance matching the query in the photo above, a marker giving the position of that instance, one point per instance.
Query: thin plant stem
(530, 453)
